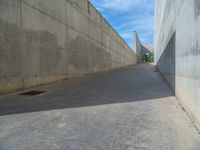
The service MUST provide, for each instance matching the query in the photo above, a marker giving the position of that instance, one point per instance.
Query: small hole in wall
(32, 93)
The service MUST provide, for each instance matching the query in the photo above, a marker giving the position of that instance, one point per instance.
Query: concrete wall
(141, 49)
(43, 41)
(177, 47)
(137, 47)
(147, 48)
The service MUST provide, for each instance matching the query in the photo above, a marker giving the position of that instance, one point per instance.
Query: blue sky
(127, 16)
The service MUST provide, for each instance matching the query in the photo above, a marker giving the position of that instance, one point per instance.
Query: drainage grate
(32, 93)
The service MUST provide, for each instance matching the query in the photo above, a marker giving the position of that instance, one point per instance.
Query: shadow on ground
(131, 84)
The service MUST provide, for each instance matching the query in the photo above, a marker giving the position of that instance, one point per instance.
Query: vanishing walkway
(127, 109)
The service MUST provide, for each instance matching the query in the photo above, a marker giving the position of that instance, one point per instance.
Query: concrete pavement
(126, 109)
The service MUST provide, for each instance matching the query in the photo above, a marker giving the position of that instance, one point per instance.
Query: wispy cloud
(127, 16)
(122, 5)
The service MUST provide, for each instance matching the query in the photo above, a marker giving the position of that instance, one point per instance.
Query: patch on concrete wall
(196, 8)
(10, 56)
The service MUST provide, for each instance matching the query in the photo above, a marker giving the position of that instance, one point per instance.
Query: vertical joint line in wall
(88, 27)
(88, 7)
(22, 66)
(20, 8)
(67, 37)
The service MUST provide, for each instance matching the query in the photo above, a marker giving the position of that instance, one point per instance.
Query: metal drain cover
(32, 93)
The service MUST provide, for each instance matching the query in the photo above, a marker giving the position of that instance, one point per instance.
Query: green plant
(148, 58)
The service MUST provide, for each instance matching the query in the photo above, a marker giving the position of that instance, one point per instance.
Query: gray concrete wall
(42, 41)
(141, 49)
(137, 47)
(147, 48)
(177, 50)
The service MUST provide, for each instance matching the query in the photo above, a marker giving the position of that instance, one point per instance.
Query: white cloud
(129, 15)
(122, 5)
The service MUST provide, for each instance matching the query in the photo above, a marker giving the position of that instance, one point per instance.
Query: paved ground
(126, 109)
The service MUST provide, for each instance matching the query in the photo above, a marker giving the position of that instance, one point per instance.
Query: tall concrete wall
(177, 48)
(43, 41)
(137, 47)
(141, 49)
(147, 48)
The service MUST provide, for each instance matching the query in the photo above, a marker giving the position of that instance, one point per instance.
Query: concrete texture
(127, 109)
(137, 47)
(45, 41)
(177, 40)
(147, 48)
(141, 49)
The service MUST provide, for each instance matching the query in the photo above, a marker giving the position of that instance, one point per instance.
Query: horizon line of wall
(46, 41)
(177, 47)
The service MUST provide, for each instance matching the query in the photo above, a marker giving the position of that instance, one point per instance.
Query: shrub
(148, 58)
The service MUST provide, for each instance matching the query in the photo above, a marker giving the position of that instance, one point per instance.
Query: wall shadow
(127, 85)
(167, 63)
